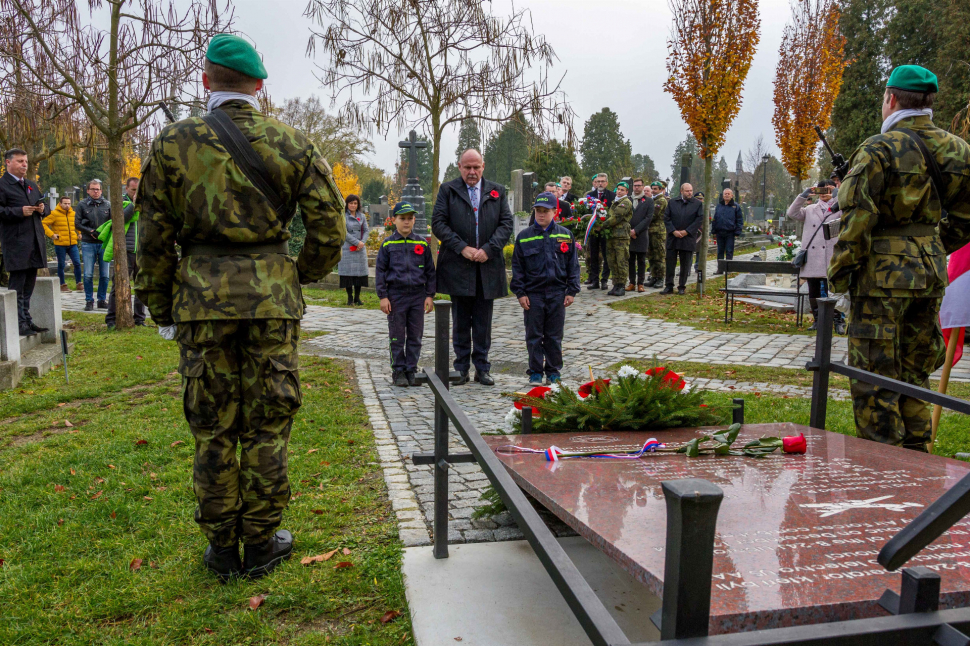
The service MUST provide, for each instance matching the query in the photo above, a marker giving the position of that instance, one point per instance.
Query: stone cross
(412, 145)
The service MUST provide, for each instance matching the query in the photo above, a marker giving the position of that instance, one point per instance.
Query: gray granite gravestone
(413, 193)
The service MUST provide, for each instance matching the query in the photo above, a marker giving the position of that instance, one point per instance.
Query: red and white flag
(955, 310)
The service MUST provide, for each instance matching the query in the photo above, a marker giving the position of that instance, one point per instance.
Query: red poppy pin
(494, 194)
(564, 247)
(419, 249)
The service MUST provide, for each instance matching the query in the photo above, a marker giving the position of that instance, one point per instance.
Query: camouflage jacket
(657, 224)
(618, 219)
(889, 186)
(192, 192)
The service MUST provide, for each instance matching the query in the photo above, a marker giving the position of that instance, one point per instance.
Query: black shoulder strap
(249, 162)
(935, 175)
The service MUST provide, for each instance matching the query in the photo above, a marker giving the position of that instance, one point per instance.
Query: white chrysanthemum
(627, 371)
(554, 387)
(642, 376)
(513, 415)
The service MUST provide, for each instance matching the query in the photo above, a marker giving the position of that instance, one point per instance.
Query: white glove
(167, 332)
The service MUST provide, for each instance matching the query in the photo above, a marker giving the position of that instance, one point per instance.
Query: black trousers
(672, 255)
(472, 322)
(544, 321)
(725, 245)
(139, 312)
(405, 324)
(819, 288)
(597, 258)
(22, 281)
(638, 267)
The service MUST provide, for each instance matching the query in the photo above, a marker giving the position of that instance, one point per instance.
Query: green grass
(338, 298)
(708, 313)
(65, 576)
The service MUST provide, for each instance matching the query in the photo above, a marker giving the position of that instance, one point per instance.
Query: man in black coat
(566, 183)
(639, 235)
(683, 219)
(597, 243)
(472, 222)
(22, 234)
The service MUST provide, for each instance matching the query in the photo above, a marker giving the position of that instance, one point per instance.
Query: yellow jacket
(61, 222)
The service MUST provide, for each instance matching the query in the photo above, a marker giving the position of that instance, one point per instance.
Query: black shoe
(593, 286)
(681, 291)
(26, 331)
(89, 306)
(463, 378)
(616, 291)
(350, 302)
(717, 273)
(485, 379)
(140, 323)
(813, 326)
(259, 560)
(400, 379)
(37, 328)
(604, 284)
(410, 377)
(589, 281)
(222, 561)
(358, 302)
(102, 305)
(669, 289)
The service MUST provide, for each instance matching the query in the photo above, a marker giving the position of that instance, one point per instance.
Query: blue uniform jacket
(544, 260)
(405, 264)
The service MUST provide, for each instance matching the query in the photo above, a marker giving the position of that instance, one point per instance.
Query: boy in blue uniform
(545, 279)
(406, 287)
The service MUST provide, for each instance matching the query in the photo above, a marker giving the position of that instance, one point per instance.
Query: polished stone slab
(797, 535)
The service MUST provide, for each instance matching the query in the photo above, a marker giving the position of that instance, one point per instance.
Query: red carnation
(794, 444)
(538, 391)
(564, 247)
(494, 193)
(419, 249)
(670, 378)
(353, 247)
(587, 389)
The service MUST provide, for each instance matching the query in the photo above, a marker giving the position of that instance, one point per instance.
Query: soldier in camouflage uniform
(617, 229)
(658, 236)
(236, 300)
(891, 255)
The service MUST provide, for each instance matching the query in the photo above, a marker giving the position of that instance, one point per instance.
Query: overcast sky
(613, 53)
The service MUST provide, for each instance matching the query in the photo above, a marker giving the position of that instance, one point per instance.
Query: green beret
(656, 184)
(623, 184)
(913, 78)
(236, 54)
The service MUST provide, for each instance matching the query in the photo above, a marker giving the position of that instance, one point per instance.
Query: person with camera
(818, 250)
(22, 234)
(905, 207)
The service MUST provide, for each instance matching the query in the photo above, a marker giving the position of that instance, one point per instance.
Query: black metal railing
(692, 508)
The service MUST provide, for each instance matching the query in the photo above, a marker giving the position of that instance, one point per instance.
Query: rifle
(167, 111)
(839, 162)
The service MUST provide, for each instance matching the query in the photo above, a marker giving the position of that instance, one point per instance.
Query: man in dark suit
(472, 222)
(597, 244)
(566, 183)
(563, 211)
(683, 219)
(22, 234)
(639, 235)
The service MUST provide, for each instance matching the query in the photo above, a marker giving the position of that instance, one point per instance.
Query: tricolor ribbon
(555, 454)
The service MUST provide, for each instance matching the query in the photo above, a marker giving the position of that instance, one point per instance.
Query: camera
(831, 229)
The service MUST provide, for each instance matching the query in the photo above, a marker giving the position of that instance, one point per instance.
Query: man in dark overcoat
(472, 222)
(639, 235)
(682, 218)
(22, 234)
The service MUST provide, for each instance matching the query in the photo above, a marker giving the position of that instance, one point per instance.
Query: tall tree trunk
(122, 289)
(705, 223)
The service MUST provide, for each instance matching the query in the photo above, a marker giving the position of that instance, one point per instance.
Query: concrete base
(500, 594)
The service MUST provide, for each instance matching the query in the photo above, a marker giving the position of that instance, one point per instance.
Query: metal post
(64, 354)
(823, 359)
(442, 347)
(919, 592)
(737, 415)
(692, 507)
(526, 420)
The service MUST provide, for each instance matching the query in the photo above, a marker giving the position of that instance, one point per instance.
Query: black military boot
(669, 289)
(222, 561)
(410, 377)
(400, 379)
(593, 285)
(261, 559)
(604, 284)
(681, 291)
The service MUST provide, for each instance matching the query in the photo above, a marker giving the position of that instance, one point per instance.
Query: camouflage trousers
(241, 387)
(618, 258)
(898, 338)
(657, 254)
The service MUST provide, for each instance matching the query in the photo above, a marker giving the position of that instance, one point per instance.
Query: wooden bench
(759, 267)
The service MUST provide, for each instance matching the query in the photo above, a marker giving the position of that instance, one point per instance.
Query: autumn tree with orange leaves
(809, 75)
(711, 45)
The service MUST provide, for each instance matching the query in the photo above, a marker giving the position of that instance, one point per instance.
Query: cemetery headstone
(413, 193)
(379, 213)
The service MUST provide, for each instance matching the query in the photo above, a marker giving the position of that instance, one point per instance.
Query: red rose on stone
(670, 378)
(564, 247)
(794, 444)
(494, 193)
(419, 249)
(587, 389)
(538, 391)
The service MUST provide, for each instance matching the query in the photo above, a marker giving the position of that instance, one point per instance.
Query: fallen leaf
(176, 443)
(208, 630)
(153, 565)
(326, 464)
(58, 488)
(68, 423)
(97, 495)
(114, 515)
(111, 466)
(60, 521)
(72, 471)
(329, 555)
(257, 601)
(1, 562)
(312, 451)
(73, 497)
(148, 498)
(318, 512)
(307, 560)
(457, 639)
(343, 564)
(135, 565)
(346, 552)
(138, 357)
(62, 404)
(141, 442)
(347, 390)
(98, 480)
(350, 441)
(390, 615)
